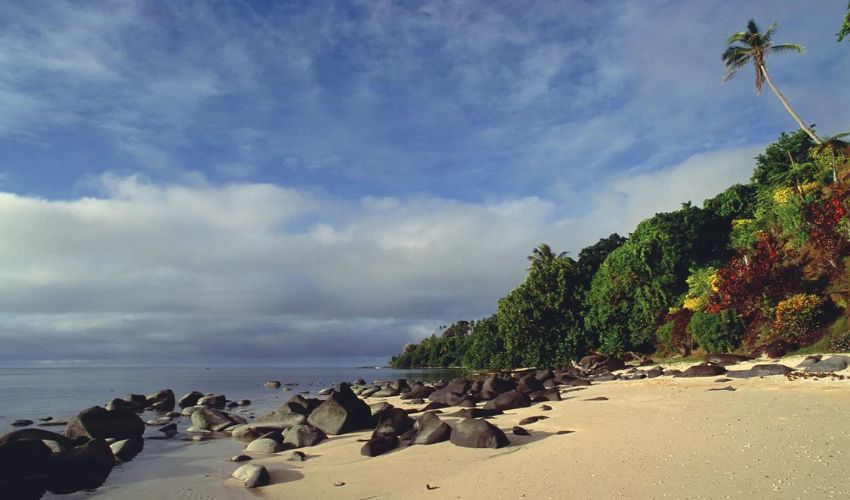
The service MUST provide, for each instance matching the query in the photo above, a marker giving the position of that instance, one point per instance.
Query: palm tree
(753, 46)
(543, 254)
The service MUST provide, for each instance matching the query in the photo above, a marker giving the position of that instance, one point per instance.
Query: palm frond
(752, 27)
(741, 36)
(787, 47)
(769, 33)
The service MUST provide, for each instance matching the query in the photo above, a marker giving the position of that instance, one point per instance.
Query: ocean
(35, 393)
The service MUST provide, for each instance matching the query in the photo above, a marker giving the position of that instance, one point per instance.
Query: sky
(322, 182)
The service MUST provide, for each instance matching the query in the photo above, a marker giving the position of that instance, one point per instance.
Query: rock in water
(22, 423)
(431, 430)
(379, 445)
(97, 422)
(272, 384)
(126, 449)
(190, 399)
(300, 436)
(264, 445)
(212, 401)
(252, 475)
(472, 433)
(342, 412)
(82, 468)
(240, 458)
(161, 400)
(23, 469)
(214, 420)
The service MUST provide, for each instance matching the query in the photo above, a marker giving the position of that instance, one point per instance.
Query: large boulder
(23, 458)
(418, 392)
(760, 371)
(190, 399)
(545, 395)
(82, 468)
(378, 445)
(473, 433)
(126, 449)
(161, 400)
(393, 421)
(831, 364)
(123, 406)
(342, 412)
(704, 370)
(528, 384)
(300, 436)
(97, 422)
(725, 359)
(493, 386)
(430, 429)
(61, 441)
(212, 401)
(264, 445)
(252, 475)
(214, 420)
(508, 401)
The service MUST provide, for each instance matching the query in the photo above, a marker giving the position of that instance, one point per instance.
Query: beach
(652, 438)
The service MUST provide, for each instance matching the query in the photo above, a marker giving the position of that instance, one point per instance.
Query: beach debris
(519, 431)
(341, 483)
(431, 430)
(545, 408)
(597, 398)
(473, 433)
(252, 475)
(814, 375)
(429, 487)
(561, 433)
(727, 388)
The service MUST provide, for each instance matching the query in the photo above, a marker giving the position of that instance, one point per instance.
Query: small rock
(240, 458)
(545, 407)
(531, 420)
(264, 445)
(22, 423)
(297, 456)
(519, 431)
(252, 475)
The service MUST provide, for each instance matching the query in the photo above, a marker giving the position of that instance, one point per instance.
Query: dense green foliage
(845, 26)
(758, 263)
(716, 332)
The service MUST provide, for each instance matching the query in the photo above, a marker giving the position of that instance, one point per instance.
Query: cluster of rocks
(33, 461)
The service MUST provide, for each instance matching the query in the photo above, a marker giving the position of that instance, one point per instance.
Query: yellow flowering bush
(783, 195)
(797, 315)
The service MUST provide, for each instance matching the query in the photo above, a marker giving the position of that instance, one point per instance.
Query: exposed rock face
(430, 430)
(508, 401)
(161, 400)
(97, 422)
(472, 433)
(705, 370)
(190, 399)
(378, 445)
(300, 436)
(252, 475)
(82, 468)
(725, 359)
(342, 412)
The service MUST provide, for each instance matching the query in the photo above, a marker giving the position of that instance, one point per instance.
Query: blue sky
(327, 180)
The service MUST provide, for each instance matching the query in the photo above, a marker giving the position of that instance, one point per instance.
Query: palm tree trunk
(788, 106)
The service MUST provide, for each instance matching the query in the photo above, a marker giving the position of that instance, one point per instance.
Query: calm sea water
(34, 393)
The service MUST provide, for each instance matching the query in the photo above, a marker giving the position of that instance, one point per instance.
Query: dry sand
(652, 438)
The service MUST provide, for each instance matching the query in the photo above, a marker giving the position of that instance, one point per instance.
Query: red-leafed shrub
(823, 219)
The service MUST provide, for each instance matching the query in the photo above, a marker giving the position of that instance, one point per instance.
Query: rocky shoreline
(463, 412)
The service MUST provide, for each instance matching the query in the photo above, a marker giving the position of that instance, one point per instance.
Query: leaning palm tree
(753, 46)
(544, 254)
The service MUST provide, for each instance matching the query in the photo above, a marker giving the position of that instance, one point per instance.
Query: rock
(326, 391)
(300, 436)
(774, 350)
(214, 420)
(519, 431)
(161, 400)
(832, 364)
(725, 359)
(254, 430)
(378, 445)
(433, 405)
(727, 388)
(289, 412)
(23, 458)
(377, 408)
(599, 363)
(473, 433)
(22, 423)
(760, 371)
(531, 420)
(809, 361)
(528, 384)
(655, 371)
(123, 406)
(475, 413)
(508, 401)
(272, 384)
(419, 392)
(169, 430)
(264, 445)
(212, 401)
(704, 370)
(82, 468)
(672, 372)
(604, 377)
(139, 401)
(386, 393)
(393, 421)
(97, 422)
(243, 402)
(126, 449)
(597, 398)
(241, 458)
(545, 395)
(252, 475)
(297, 456)
(545, 407)
(467, 402)
(61, 442)
(430, 429)
(359, 381)
(190, 399)
(342, 412)
(158, 421)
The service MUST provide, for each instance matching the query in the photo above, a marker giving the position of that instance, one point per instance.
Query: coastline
(652, 438)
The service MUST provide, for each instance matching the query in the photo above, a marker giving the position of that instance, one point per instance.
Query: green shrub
(716, 332)
(664, 339)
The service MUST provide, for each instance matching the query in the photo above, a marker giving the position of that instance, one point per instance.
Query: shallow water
(175, 468)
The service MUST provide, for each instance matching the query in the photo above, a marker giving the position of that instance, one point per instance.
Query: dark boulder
(161, 400)
(214, 420)
(82, 468)
(289, 411)
(272, 384)
(123, 406)
(508, 401)
(475, 413)
(37, 435)
(97, 422)
(342, 412)
(126, 449)
(725, 359)
(531, 420)
(704, 370)
(430, 429)
(519, 431)
(459, 385)
(418, 392)
(760, 371)
(473, 433)
(545, 395)
(493, 386)
(379, 445)
(393, 421)
(433, 405)
(190, 399)
(300, 436)
(655, 371)
(528, 384)
(23, 458)
(599, 363)
(212, 401)
(140, 400)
